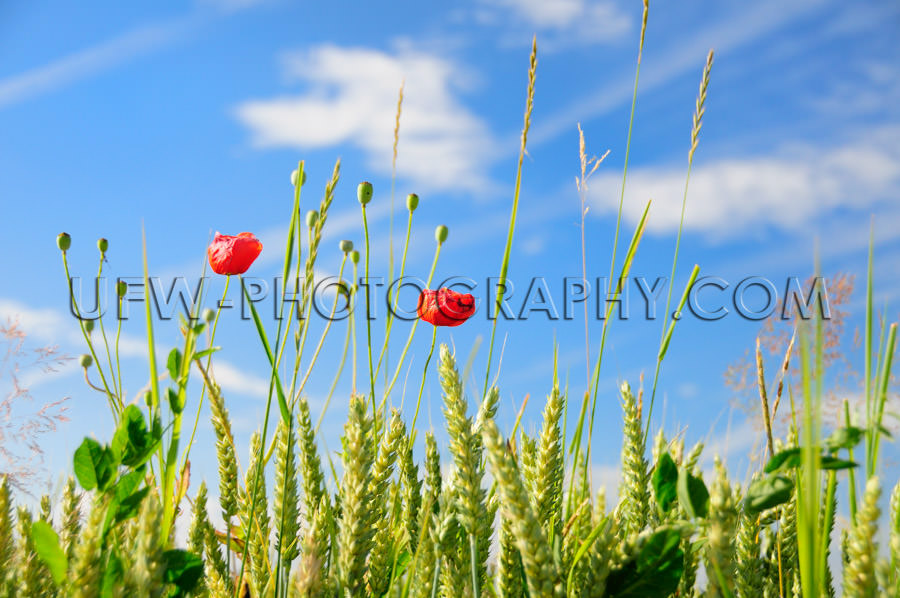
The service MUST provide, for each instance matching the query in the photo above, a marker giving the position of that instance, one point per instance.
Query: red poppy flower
(233, 255)
(445, 307)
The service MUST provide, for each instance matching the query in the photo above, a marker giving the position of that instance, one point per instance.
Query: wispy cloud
(90, 61)
(796, 186)
(351, 98)
(684, 55)
(561, 23)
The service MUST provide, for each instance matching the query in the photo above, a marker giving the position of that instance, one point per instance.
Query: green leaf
(692, 494)
(173, 364)
(654, 572)
(112, 576)
(183, 569)
(135, 442)
(205, 352)
(176, 401)
(844, 438)
(786, 459)
(46, 545)
(768, 492)
(94, 465)
(833, 463)
(130, 505)
(665, 482)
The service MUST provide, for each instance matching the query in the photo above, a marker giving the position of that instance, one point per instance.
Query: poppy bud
(121, 288)
(88, 326)
(311, 217)
(102, 245)
(412, 202)
(354, 256)
(209, 315)
(440, 233)
(85, 361)
(294, 178)
(63, 241)
(346, 246)
(364, 192)
(148, 398)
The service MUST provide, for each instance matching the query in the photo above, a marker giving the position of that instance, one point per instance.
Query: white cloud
(561, 22)
(232, 379)
(351, 97)
(88, 62)
(791, 189)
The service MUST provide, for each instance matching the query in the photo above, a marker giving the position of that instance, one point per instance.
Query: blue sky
(188, 118)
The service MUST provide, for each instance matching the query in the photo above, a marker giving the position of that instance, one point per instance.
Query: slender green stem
(412, 332)
(353, 323)
(315, 356)
(112, 370)
(274, 384)
(390, 316)
(87, 339)
(504, 266)
(212, 338)
(867, 343)
(424, 375)
(337, 376)
(369, 318)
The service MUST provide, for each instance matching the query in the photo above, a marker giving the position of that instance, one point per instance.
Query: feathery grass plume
(454, 578)
(225, 454)
(425, 559)
(258, 540)
(381, 554)
(199, 530)
(310, 464)
(894, 551)
(750, 575)
(71, 518)
(7, 542)
(601, 556)
(432, 472)
(287, 499)
(659, 446)
(826, 523)
(485, 535)
(466, 449)
(215, 583)
(859, 574)
(720, 535)
(693, 457)
(511, 576)
(31, 570)
(355, 532)
(541, 573)
(316, 235)
(634, 496)
(786, 542)
(487, 409)
(548, 479)
(84, 574)
(45, 515)
(412, 493)
(146, 573)
(199, 522)
(309, 580)
(216, 560)
(504, 266)
(528, 461)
